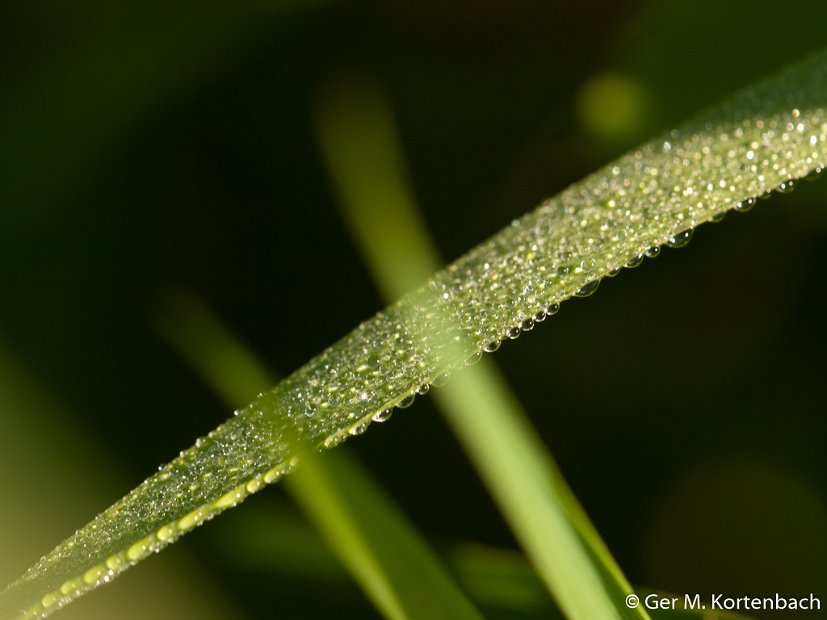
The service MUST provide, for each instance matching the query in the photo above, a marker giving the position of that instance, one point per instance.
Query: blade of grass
(382, 551)
(762, 138)
(357, 134)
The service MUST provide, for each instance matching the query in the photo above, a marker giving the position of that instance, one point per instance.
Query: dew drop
(114, 563)
(527, 325)
(187, 522)
(587, 289)
(492, 346)
(785, 187)
(680, 240)
(423, 389)
(745, 205)
(652, 252)
(271, 475)
(473, 358)
(139, 550)
(383, 416)
(68, 587)
(440, 380)
(165, 533)
(540, 316)
(635, 262)
(330, 442)
(48, 600)
(563, 270)
(552, 309)
(815, 174)
(513, 333)
(613, 272)
(406, 402)
(718, 217)
(358, 429)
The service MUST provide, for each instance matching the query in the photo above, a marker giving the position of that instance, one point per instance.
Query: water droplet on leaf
(473, 359)
(745, 205)
(588, 289)
(492, 346)
(635, 262)
(785, 187)
(440, 379)
(680, 240)
(406, 402)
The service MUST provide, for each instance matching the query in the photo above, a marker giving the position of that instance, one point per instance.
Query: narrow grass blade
(763, 138)
(370, 536)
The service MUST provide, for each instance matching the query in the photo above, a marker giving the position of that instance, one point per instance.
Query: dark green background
(145, 148)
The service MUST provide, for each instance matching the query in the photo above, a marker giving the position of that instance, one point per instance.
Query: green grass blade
(202, 340)
(356, 132)
(373, 539)
(759, 140)
(370, 536)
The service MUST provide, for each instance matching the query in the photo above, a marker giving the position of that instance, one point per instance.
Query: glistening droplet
(527, 325)
(785, 187)
(540, 316)
(652, 252)
(383, 416)
(513, 333)
(552, 309)
(680, 240)
(587, 289)
(423, 389)
(406, 402)
(473, 359)
(492, 346)
(440, 380)
(634, 262)
(745, 205)
(334, 440)
(815, 174)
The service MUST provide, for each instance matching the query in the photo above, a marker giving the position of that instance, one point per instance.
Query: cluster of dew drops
(678, 240)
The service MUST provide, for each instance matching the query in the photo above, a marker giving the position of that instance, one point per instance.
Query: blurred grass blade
(371, 537)
(201, 339)
(356, 131)
(358, 137)
(762, 138)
